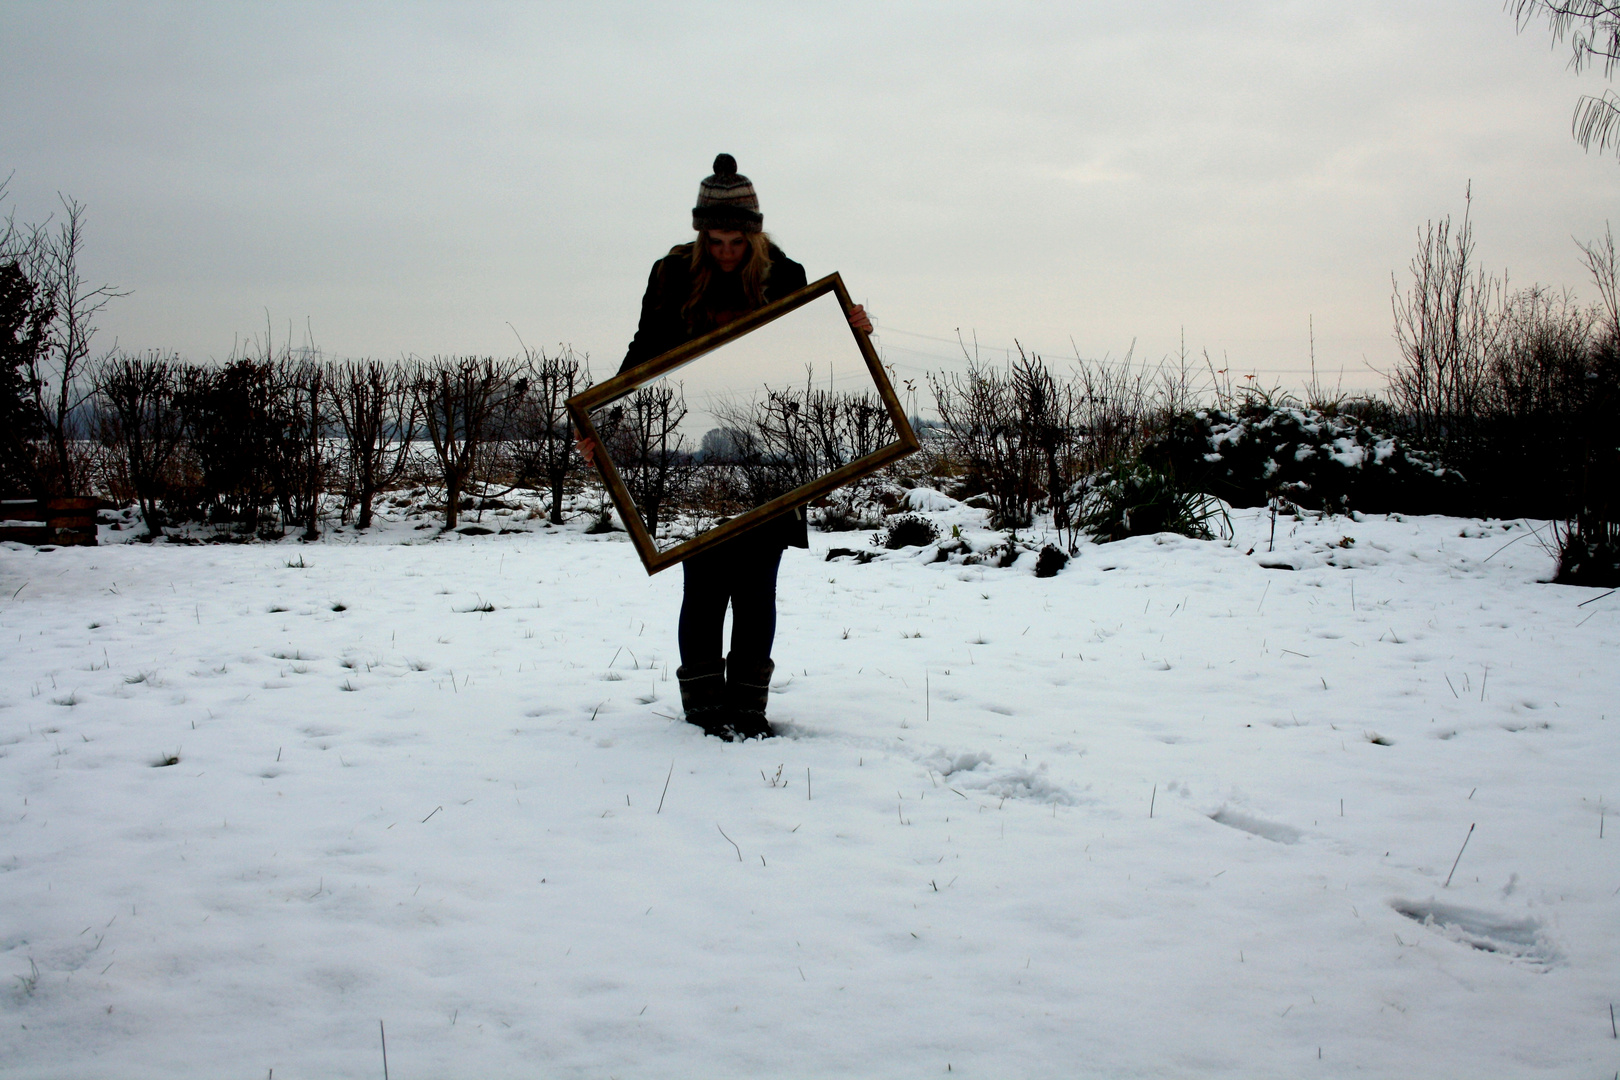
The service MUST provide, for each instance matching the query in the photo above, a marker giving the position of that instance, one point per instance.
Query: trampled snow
(1169, 813)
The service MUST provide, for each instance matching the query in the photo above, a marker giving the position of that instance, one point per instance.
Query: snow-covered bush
(906, 530)
(1262, 451)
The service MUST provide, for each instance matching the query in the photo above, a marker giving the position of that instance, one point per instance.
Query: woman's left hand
(858, 319)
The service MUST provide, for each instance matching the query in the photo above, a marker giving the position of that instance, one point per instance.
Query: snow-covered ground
(1169, 813)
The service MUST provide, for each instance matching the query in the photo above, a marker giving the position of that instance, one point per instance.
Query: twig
(1583, 603)
(435, 810)
(382, 1032)
(660, 809)
(1458, 859)
(1509, 544)
(730, 841)
(807, 788)
(1152, 799)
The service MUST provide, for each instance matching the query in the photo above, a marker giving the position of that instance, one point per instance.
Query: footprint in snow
(1269, 830)
(972, 771)
(1520, 939)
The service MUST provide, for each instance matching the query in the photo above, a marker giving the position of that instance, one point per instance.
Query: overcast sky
(411, 178)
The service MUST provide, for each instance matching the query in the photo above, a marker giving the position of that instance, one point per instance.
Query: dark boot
(703, 697)
(748, 687)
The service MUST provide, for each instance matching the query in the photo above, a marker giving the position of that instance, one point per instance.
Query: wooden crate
(65, 522)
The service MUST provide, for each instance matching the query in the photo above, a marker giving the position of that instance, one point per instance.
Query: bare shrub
(1114, 409)
(1446, 324)
(305, 458)
(980, 418)
(789, 437)
(641, 433)
(1021, 434)
(1590, 549)
(537, 429)
(380, 417)
(1603, 265)
(458, 397)
(139, 417)
(229, 415)
(1517, 390)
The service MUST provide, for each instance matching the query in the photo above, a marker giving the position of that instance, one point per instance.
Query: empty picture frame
(742, 425)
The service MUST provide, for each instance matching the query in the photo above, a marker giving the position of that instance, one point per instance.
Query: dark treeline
(1503, 403)
(267, 443)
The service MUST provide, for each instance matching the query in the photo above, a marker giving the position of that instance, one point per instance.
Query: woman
(729, 270)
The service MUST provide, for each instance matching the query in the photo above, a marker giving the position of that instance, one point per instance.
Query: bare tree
(766, 446)
(1604, 267)
(538, 428)
(1592, 28)
(457, 398)
(1445, 323)
(55, 371)
(232, 439)
(139, 416)
(301, 401)
(380, 418)
(642, 435)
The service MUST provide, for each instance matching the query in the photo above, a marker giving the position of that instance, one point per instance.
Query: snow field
(447, 817)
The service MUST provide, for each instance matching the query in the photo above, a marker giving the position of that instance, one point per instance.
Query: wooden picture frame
(582, 405)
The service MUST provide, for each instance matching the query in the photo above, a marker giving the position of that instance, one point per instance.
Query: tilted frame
(627, 383)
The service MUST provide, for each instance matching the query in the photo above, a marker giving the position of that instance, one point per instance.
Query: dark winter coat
(663, 327)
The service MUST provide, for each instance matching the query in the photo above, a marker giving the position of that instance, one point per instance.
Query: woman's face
(728, 248)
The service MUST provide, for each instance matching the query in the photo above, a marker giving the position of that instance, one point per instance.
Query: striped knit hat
(726, 200)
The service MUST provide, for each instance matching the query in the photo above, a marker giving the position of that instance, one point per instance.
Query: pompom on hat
(727, 201)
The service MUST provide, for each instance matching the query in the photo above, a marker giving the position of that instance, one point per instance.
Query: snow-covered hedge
(1309, 458)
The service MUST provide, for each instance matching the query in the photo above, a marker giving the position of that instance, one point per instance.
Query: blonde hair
(755, 270)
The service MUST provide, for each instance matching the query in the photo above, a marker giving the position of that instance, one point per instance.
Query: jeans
(743, 575)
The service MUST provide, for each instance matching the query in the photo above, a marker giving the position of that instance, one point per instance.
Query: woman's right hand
(587, 449)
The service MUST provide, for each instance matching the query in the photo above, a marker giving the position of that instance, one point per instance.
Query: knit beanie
(726, 200)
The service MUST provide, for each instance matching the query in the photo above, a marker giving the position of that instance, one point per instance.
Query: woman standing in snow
(732, 268)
